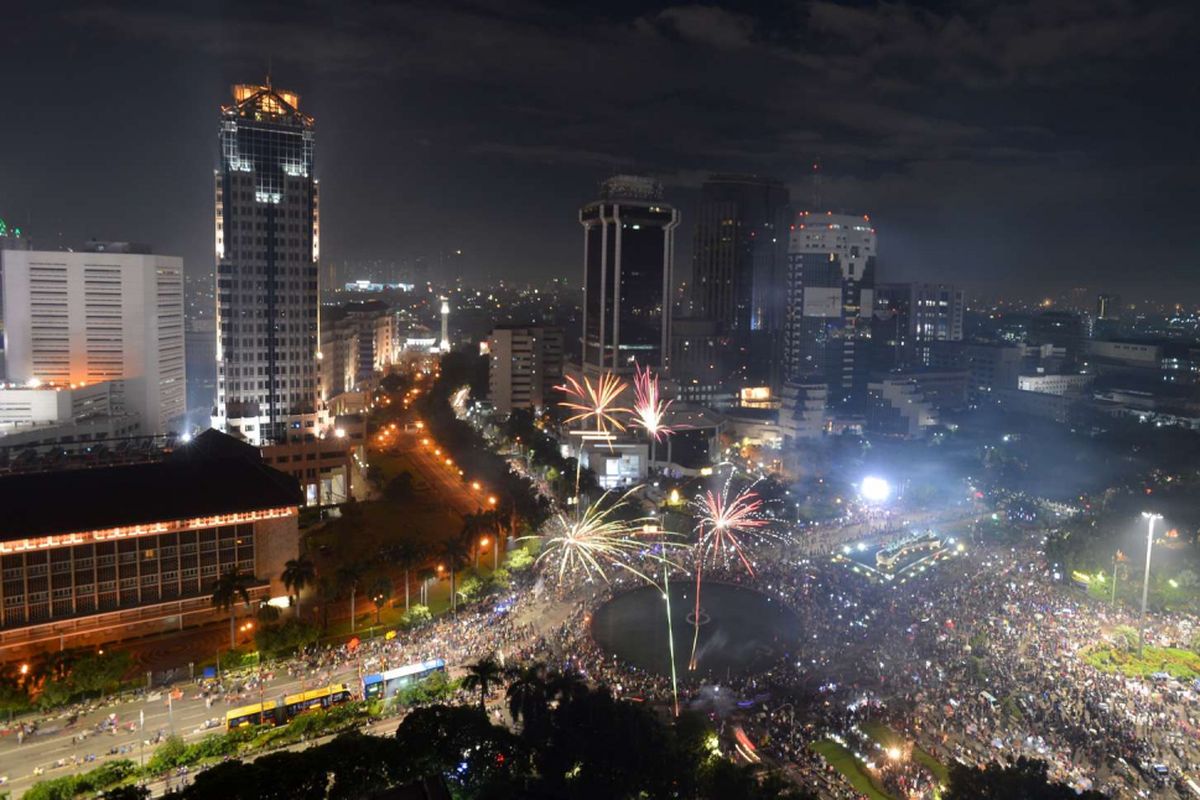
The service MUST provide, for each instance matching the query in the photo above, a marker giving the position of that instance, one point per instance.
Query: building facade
(138, 548)
(910, 316)
(524, 366)
(111, 312)
(739, 268)
(829, 303)
(629, 253)
(268, 246)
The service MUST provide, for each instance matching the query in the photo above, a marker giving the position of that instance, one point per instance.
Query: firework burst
(723, 522)
(649, 409)
(594, 541)
(596, 401)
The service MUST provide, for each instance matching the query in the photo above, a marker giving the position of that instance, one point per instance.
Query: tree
(128, 792)
(227, 590)
(425, 575)
(349, 578)
(101, 672)
(1028, 779)
(298, 574)
(406, 555)
(416, 616)
(1126, 637)
(399, 489)
(529, 699)
(380, 591)
(456, 551)
(482, 675)
(13, 694)
(327, 590)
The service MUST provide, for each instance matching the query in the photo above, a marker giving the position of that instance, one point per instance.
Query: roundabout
(741, 630)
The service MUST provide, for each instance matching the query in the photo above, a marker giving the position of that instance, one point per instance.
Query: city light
(875, 489)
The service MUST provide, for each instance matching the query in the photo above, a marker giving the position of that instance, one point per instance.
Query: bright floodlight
(875, 490)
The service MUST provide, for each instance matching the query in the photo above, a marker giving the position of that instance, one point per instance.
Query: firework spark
(596, 401)
(594, 541)
(722, 524)
(649, 409)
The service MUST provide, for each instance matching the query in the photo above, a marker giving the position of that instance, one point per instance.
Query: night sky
(1037, 144)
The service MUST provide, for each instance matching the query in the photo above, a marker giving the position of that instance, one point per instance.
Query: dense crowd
(976, 659)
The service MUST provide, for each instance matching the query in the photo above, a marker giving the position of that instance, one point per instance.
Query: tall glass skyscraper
(740, 268)
(267, 246)
(629, 252)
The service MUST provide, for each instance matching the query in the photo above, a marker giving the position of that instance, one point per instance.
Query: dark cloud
(989, 140)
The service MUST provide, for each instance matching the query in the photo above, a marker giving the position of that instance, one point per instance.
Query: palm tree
(231, 586)
(381, 592)
(298, 574)
(424, 575)
(482, 675)
(456, 551)
(349, 577)
(406, 555)
(528, 697)
(327, 590)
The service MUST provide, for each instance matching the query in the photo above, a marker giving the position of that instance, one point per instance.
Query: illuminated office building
(267, 245)
(830, 300)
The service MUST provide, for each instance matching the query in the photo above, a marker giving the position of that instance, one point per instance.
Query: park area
(1173, 661)
(886, 741)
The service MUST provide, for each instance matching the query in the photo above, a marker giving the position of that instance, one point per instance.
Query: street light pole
(1114, 591)
(1150, 518)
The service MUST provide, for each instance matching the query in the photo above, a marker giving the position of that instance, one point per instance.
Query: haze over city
(1047, 141)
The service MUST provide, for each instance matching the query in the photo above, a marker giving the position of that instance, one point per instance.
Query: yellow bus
(256, 714)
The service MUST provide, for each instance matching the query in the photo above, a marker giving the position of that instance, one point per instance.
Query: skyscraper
(1108, 306)
(909, 316)
(267, 242)
(830, 299)
(740, 266)
(629, 251)
(112, 311)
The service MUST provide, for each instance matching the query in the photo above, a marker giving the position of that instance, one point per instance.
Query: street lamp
(1150, 518)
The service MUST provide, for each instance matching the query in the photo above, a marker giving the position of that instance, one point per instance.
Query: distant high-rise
(112, 311)
(1108, 306)
(909, 316)
(267, 242)
(830, 299)
(629, 251)
(525, 365)
(740, 267)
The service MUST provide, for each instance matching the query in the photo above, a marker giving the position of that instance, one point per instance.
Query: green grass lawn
(889, 738)
(1183, 664)
(844, 762)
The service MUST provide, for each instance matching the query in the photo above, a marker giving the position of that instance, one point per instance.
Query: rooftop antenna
(816, 184)
(268, 72)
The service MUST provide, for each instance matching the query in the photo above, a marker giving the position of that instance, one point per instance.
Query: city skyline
(1028, 126)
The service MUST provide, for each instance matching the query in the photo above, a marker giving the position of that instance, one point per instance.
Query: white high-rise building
(525, 364)
(113, 312)
(830, 300)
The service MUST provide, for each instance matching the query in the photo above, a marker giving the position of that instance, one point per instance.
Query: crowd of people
(975, 659)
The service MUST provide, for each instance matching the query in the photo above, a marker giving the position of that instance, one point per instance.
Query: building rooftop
(72, 501)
